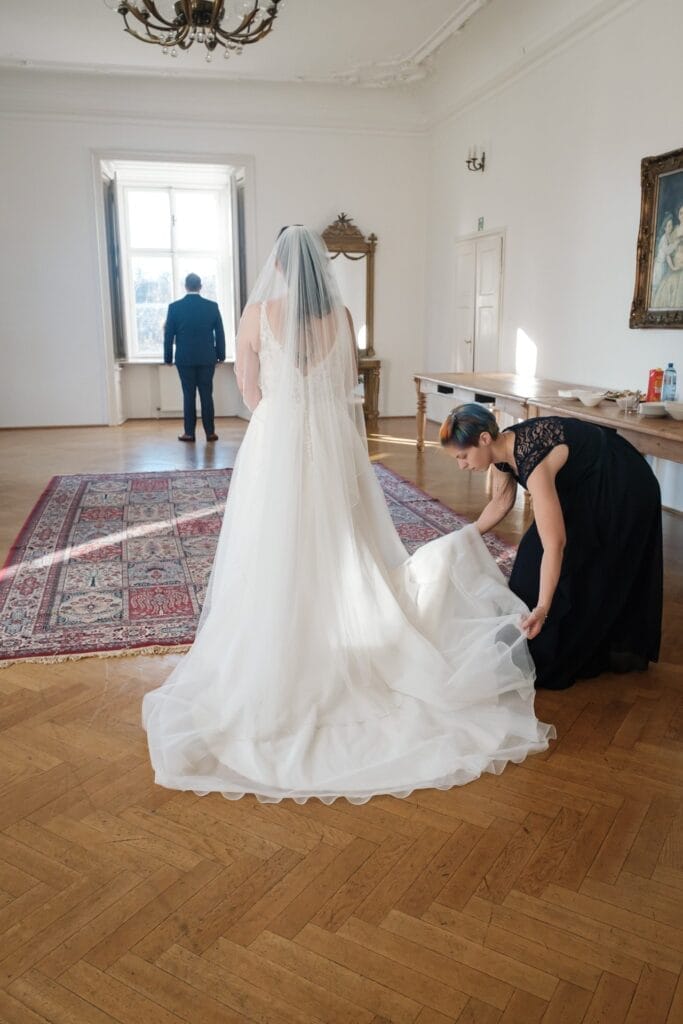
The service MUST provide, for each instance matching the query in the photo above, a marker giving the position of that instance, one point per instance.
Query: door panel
(465, 276)
(489, 252)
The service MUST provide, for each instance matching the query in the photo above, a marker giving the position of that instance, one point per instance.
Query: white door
(478, 269)
(487, 317)
(465, 276)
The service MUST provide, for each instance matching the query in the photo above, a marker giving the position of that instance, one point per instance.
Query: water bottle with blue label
(669, 388)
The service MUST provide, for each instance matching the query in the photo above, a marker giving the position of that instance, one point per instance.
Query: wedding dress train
(328, 662)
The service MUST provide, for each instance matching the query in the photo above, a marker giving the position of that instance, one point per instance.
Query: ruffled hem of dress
(459, 777)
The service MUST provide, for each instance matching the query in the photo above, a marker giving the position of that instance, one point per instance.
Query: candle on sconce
(473, 161)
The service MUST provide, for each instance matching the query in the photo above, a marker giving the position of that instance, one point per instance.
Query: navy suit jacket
(196, 327)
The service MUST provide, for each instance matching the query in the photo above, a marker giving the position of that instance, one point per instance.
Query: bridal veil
(327, 662)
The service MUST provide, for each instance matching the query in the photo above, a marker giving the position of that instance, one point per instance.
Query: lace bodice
(317, 383)
(534, 439)
(270, 354)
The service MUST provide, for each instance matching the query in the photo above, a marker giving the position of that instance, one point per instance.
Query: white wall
(315, 151)
(564, 138)
(565, 117)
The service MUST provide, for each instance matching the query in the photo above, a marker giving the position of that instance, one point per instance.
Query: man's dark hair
(193, 283)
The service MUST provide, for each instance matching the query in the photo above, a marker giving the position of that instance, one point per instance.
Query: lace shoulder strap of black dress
(534, 439)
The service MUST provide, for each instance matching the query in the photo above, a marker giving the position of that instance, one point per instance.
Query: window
(174, 220)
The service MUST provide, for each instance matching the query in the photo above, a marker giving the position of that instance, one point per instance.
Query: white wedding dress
(328, 662)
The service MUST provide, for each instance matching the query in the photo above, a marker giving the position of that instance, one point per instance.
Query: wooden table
(511, 393)
(661, 436)
(524, 397)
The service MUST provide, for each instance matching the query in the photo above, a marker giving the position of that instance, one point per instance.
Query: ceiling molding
(382, 75)
(451, 26)
(534, 56)
(176, 72)
(398, 71)
(96, 117)
(414, 67)
(140, 98)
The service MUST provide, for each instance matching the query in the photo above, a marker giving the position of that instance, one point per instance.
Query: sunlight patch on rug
(118, 563)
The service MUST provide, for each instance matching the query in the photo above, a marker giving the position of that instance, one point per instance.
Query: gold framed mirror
(356, 279)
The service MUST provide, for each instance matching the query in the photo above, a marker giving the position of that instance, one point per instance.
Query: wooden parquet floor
(552, 893)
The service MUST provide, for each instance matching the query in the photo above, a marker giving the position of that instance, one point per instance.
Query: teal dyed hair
(465, 424)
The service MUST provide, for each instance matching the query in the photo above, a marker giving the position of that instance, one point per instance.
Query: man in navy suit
(196, 327)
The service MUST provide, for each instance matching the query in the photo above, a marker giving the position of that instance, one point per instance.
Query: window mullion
(174, 254)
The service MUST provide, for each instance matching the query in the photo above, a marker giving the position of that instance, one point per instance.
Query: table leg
(489, 472)
(421, 415)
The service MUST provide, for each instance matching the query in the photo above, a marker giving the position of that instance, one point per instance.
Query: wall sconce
(475, 163)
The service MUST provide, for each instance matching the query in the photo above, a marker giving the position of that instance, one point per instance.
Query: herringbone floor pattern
(552, 893)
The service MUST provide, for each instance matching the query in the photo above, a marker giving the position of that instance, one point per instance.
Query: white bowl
(651, 409)
(674, 409)
(590, 397)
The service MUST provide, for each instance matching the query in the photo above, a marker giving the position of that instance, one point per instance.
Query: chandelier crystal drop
(177, 24)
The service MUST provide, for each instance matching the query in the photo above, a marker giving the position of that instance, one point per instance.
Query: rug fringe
(52, 659)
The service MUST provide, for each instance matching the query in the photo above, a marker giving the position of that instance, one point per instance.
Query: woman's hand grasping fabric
(533, 623)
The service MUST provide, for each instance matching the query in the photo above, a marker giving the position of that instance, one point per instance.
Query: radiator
(170, 392)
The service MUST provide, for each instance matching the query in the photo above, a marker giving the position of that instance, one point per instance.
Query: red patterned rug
(117, 563)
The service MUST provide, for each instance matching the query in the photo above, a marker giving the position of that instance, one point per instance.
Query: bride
(327, 662)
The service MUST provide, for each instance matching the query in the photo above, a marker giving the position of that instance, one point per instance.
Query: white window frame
(173, 179)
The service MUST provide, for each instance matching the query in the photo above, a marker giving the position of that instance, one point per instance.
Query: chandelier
(176, 24)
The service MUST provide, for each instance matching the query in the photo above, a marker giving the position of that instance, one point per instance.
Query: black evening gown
(607, 610)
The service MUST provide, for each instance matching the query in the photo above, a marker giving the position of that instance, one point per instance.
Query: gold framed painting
(658, 295)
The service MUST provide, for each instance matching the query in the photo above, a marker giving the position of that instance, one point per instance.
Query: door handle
(468, 341)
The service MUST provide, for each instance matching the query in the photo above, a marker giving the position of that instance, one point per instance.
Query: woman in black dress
(590, 565)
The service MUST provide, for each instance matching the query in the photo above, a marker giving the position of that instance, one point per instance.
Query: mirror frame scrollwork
(343, 238)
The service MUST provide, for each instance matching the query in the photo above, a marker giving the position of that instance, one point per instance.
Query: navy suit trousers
(193, 379)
